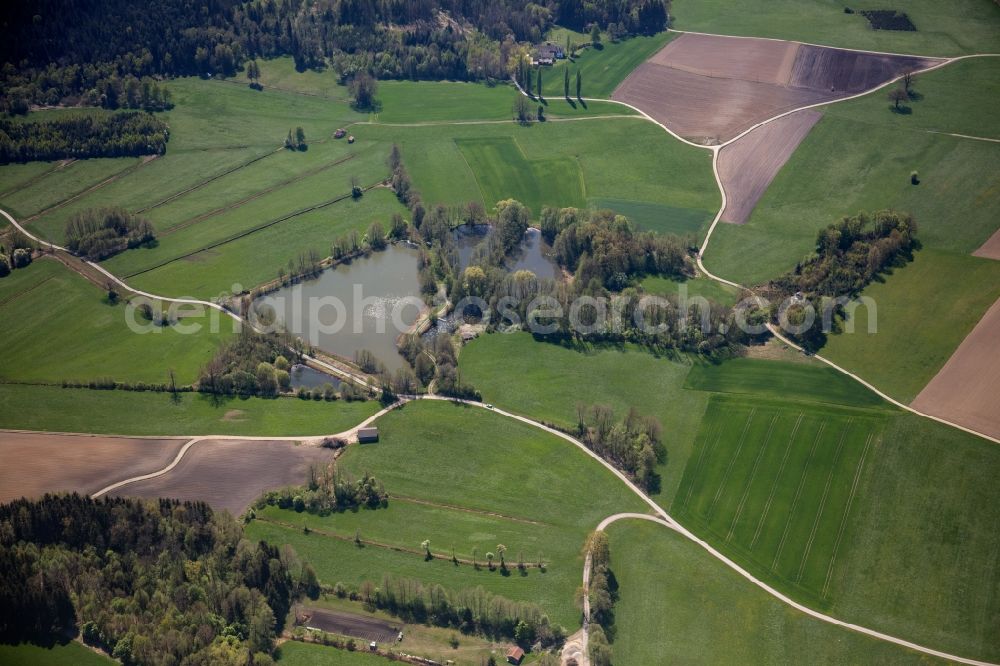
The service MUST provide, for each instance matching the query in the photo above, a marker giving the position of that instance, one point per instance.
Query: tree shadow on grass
(901, 110)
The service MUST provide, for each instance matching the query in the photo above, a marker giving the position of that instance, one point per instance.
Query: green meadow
(601, 69)
(932, 304)
(65, 654)
(676, 601)
(699, 287)
(843, 167)
(443, 101)
(595, 157)
(503, 172)
(943, 29)
(956, 98)
(547, 381)
(517, 485)
(51, 408)
(846, 506)
(57, 326)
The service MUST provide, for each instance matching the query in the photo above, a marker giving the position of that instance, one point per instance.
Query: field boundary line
(753, 474)
(141, 161)
(205, 182)
(732, 462)
(798, 494)
(822, 501)
(709, 444)
(248, 232)
(31, 288)
(184, 224)
(34, 179)
(847, 513)
(774, 484)
(465, 509)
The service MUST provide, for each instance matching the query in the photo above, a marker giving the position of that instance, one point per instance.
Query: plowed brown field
(230, 474)
(747, 166)
(967, 389)
(32, 464)
(710, 89)
(991, 248)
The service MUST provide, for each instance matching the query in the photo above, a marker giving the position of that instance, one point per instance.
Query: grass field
(58, 186)
(548, 495)
(601, 70)
(932, 303)
(256, 258)
(503, 171)
(57, 326)
(776, 484)
(677, 604)
(57, 409)
(546, 381)
(294, 653)
(847, 508)
(280, 74)
(439, 101)
(670, 173)
(660, 218)
(956, 98)
(68, 654)
(955, 28)
(845, 166)
(781, 380)
(703, 287)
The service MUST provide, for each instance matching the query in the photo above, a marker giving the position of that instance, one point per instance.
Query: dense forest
(130, 133)
(160, 582)
(103, 53)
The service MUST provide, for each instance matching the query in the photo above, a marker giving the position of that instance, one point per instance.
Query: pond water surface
(365, 304)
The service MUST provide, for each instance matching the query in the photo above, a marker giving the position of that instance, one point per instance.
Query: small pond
(533, 255)
(365, 304)
(305, 377)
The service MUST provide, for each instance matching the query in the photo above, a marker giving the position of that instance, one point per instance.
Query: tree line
(470, 610)
(80, 135)
(602, 593)
(98, 233)
(149, 582)
(17, 251)
(123, 44)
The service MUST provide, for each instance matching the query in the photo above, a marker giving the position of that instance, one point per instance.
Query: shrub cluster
(328, 490)
(98, 233)
(632, 445)
(602, 246)
(248, 364)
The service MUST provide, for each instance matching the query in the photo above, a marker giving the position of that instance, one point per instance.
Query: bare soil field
(32, 464)
(748, 166)
(967, 389)
(991, 248)
(348, 624)
(764, 61)
(835, 70)
(709, 88)
(230, 474)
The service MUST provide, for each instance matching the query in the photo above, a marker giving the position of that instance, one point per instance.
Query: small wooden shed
(367, 435)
